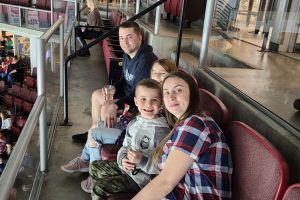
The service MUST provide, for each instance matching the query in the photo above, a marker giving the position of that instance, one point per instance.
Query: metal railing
(222, 14)
(38, 113)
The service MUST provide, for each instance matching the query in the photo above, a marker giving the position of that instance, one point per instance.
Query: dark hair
(150, 83)
(168, 64)
(131, 24)
(5, 114)
(193, 108)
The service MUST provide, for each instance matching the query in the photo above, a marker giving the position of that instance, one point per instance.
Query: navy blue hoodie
(134, 70)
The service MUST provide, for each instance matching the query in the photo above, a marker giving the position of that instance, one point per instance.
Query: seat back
(15, 90)
(2, 86)
(259, 171)
(213, 106)
(33, 96)
(292, 193)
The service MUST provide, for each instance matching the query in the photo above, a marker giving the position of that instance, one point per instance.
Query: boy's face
(148, 101)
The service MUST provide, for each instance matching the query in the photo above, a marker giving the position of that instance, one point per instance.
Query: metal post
(267, 25)
(206, 30)
(249, 14)
(137, 6)
(182, 19)
(61, 56)
(52, 56)
(278, 25)
(106, 11)
(157, 19)
(41, 91)
(260, 15)
(52, 17)
(126, 6)
(16, 44)
(121, 1)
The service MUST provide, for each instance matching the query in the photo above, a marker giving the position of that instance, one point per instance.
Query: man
(137, 62)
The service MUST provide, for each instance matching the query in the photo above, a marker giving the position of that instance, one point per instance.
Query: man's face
(130, 42)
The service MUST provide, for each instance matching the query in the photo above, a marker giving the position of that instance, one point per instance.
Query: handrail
(46, 36)
(96, 41)
(12, 167)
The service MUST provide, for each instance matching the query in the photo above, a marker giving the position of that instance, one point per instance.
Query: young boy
(133, 168)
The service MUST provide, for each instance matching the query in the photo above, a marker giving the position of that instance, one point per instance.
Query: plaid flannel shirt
(209, 177)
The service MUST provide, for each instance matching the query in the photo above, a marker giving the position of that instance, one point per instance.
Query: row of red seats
(194, 8)
(42, 4)
(260, 172)
(111, 50)
(20, 98)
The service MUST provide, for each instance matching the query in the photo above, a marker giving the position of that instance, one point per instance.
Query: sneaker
(88, 184)
(76, 165)
(80, 138)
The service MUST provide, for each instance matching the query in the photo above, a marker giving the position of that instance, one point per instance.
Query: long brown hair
(193, 108)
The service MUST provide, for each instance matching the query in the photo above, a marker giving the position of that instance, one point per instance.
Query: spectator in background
(15, 72)
(93, 19)
(9, 43)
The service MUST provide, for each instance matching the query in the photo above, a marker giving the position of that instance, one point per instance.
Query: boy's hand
(127, 165)
(134, 156)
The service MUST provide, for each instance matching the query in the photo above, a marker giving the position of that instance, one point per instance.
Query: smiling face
(148, 101)
(158, 73)
(176, 95)
(130, 41)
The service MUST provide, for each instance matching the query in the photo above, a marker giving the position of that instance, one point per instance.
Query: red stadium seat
(29, 82)
(15, 90)
(214, 107)
(25, 94)
(20, 122)
(27, 107)
(18, 104)
(109, 151)
(2, 86)
(32, 96)
(292, 193)
(16, 131)
(259, 170)
(8, 100)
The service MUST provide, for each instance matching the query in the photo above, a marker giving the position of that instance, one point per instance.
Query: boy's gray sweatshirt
(143, 135)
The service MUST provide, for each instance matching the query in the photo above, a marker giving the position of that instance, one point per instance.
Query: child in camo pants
(133, 168)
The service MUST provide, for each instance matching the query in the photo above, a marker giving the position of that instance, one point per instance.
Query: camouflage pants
(109, 179)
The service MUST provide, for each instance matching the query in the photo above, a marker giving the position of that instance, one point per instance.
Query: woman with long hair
(194, 159)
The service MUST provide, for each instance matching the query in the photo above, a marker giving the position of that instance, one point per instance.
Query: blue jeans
(9, 79)
(101, 135)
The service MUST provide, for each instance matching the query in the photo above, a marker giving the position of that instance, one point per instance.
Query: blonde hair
(168, 64)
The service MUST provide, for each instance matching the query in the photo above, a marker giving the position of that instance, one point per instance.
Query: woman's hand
(134, 156)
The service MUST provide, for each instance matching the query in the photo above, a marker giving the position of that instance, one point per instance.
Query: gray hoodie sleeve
(122, 153)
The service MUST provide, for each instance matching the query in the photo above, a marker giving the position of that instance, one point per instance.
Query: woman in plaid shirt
(194, 159)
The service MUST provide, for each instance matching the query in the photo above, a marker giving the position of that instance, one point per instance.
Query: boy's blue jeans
(101, 135)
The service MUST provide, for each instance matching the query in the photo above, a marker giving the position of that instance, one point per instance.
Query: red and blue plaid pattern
(209, 177)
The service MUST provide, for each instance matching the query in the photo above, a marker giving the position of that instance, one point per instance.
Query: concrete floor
(86, 74)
